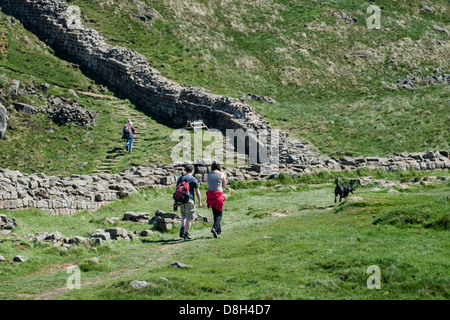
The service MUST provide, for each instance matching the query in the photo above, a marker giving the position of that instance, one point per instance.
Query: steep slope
(33, 143)
(335, 80)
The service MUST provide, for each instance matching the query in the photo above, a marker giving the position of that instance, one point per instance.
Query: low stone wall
(67, 195)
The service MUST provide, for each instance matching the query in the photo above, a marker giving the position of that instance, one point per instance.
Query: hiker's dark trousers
(217, 218)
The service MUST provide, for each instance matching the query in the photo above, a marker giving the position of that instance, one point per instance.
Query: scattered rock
(72, 93)
(146, 233)
(136, 216)
(138, 285)
(102, 235)
(20, 259)
(437, 28)
(199, 217)
(2, 258)
(164, 221)
(179, 265)
(29, 109)
(55, 236)
(79, 240)
(347, 16)
(410, 82)
(256, 97)
(117, 233)
(94, 259)
(15, 84)
(7, 223)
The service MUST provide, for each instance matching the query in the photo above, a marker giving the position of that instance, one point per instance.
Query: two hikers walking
(184, 197)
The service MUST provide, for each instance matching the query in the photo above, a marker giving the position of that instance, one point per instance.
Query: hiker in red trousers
(215, 196)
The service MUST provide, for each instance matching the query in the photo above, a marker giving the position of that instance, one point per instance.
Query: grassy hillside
(281, 240)
(36, 144)
(334, 80)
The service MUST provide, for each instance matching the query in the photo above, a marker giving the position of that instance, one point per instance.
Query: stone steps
(112, 160)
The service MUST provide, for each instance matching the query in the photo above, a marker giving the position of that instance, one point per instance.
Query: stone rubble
(410, 82)
(66, 111)
(7, 223)
(164, 221)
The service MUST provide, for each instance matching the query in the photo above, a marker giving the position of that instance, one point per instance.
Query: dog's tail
(336, 181)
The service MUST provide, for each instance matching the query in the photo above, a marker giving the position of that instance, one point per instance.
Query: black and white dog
(342, 191)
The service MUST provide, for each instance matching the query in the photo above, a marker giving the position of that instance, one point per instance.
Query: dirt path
(115, 275)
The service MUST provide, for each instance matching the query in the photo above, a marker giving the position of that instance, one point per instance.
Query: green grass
(317, 251)
(32, 61)
(67, 150)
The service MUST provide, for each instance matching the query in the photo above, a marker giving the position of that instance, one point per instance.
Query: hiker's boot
(214, 232)
(181, 234)
(187, 236)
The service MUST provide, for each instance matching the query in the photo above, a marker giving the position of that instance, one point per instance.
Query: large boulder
(26, 108)
(105, 236)
(135, 216)
(116, 233)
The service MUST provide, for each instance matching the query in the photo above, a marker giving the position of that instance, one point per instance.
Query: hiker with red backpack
(184, 197)
(128, 131)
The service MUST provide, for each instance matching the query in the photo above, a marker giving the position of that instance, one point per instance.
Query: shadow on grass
(116, 149)
(174, 241)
